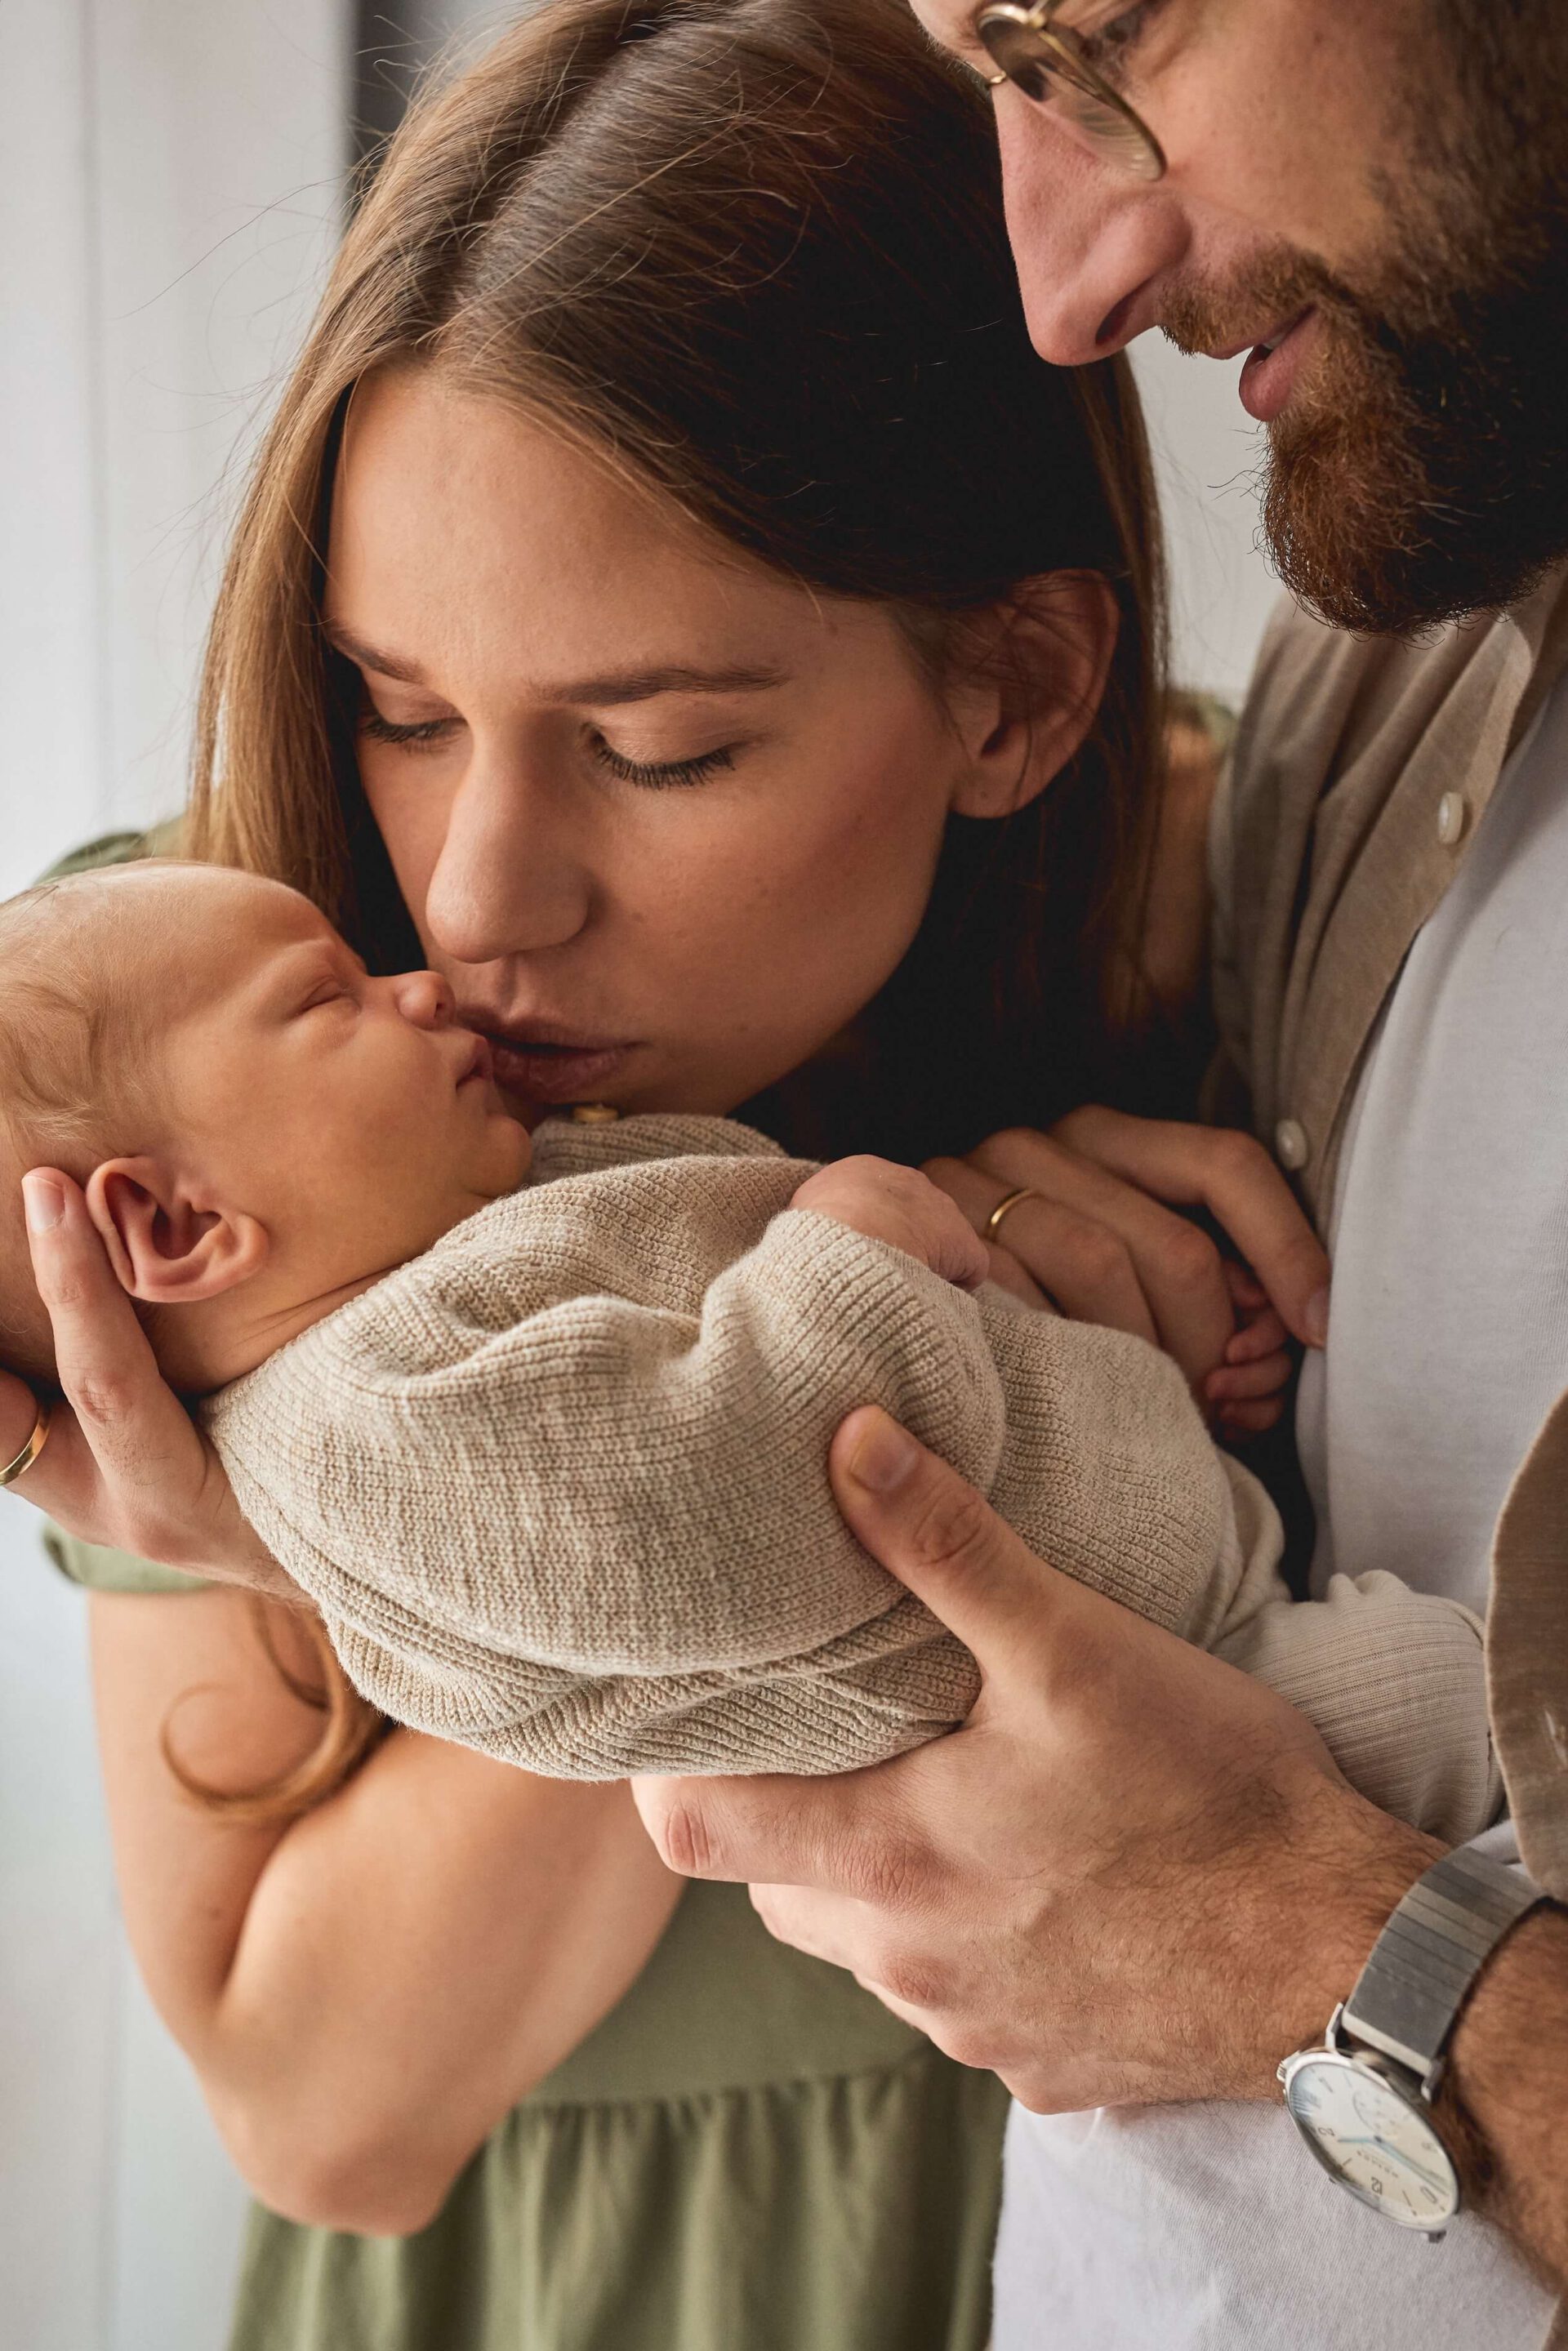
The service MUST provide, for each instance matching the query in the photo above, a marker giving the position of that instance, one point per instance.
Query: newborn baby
(549, 1457)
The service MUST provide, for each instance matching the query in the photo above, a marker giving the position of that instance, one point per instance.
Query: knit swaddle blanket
(558, 1487)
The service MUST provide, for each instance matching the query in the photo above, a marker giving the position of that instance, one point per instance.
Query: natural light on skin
(665, 820)
(1273, 115)
(322, 1126)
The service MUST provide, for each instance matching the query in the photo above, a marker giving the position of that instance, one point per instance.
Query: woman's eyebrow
(367, 656)
(611, 688)
(642, 685)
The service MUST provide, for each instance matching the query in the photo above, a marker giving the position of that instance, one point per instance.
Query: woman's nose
(510, 878)
(423, 999)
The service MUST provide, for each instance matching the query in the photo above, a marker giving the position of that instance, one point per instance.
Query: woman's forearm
(416, 1956)
(366, 1991)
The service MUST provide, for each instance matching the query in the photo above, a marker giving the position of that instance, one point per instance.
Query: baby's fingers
(1245, 1383)
(1260, 1335)
(1239, 1421)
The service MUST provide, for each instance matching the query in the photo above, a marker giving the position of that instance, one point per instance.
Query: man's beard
(1420, 472)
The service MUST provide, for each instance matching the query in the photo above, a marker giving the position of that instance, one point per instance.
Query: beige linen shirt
(1361, 772)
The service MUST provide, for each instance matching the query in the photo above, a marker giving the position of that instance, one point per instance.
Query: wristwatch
(1361, 2100)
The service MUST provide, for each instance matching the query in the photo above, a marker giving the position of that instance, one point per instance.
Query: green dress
(749, 2154)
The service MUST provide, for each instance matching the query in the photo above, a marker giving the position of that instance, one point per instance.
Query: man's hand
(1133, 1877)
(125, 1464)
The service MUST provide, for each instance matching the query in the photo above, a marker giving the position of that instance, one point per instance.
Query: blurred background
(172, 184)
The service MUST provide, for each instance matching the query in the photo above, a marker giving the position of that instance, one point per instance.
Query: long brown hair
(753, 252)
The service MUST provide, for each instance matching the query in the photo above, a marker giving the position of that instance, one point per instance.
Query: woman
(674, 603)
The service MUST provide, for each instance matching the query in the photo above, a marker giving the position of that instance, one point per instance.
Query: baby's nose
(424, 997)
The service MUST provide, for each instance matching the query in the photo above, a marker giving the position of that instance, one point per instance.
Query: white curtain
(170, 177)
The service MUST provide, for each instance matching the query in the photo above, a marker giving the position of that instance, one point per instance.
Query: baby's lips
(481, 1062)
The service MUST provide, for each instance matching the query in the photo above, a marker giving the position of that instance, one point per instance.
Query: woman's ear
(1034, 689)
(165, 1249)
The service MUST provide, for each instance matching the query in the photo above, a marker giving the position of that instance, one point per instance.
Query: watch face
(1375, 2142)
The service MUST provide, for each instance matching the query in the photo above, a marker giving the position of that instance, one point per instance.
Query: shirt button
(1452, 818)
(1291, 1146)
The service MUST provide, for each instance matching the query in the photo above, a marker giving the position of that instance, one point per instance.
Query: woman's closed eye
(650, 775)
(664, 774)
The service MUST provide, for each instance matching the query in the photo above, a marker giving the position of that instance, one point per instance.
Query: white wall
(169, 175)
(169, 184)
(1206, 451)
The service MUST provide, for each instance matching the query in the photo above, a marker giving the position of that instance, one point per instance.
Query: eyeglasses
(1049, 61)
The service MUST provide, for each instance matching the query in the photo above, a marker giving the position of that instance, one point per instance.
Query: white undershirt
(1209, 2228)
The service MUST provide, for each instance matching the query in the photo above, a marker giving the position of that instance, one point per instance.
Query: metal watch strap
(1409, 1994)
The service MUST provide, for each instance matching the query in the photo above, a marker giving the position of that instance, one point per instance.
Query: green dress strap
(99, 1569)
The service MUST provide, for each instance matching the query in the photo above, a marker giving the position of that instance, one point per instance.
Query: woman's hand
(125, 1465)
(1101, 1240)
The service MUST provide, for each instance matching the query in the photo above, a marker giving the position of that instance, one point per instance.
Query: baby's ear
(166, 1247)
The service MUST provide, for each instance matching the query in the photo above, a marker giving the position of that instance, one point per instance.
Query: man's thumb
(938, 1536)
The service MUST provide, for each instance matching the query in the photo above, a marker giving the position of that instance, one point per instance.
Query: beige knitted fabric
(558, 1487)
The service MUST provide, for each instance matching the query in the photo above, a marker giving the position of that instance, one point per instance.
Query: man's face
(1367, 194)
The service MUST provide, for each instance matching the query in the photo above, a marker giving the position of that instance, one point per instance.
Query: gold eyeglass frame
(1108, 123)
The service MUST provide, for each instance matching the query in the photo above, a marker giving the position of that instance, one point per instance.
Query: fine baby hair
(79, 1067)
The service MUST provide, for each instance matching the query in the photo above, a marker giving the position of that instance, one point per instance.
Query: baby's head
(261, 1129)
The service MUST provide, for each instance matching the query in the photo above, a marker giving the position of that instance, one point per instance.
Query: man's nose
(1093, 246)
(513, 877)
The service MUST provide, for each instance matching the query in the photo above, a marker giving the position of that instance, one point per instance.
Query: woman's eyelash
(386, 730)
(667, 775)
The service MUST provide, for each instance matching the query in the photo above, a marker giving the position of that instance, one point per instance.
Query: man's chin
(1370, 540)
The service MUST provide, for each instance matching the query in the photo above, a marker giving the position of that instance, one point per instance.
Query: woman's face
(665, 821)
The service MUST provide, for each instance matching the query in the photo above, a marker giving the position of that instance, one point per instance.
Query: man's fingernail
(45, 1202)
(1316, 1319)
(884, 1456)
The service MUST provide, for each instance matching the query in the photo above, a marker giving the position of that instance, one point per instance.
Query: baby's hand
(894, 1203)
(1246, 1394)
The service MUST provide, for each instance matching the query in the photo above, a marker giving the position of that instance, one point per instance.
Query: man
(1131, 1883)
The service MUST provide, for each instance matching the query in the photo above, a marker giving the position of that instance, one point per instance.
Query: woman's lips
(1271, 371)
(549, 1071)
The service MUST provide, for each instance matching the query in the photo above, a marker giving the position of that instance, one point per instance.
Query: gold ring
(1005, 1208)
(33, 1448)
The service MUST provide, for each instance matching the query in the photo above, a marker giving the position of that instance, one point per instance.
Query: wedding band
(1005, 1208)
(33, 1448)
